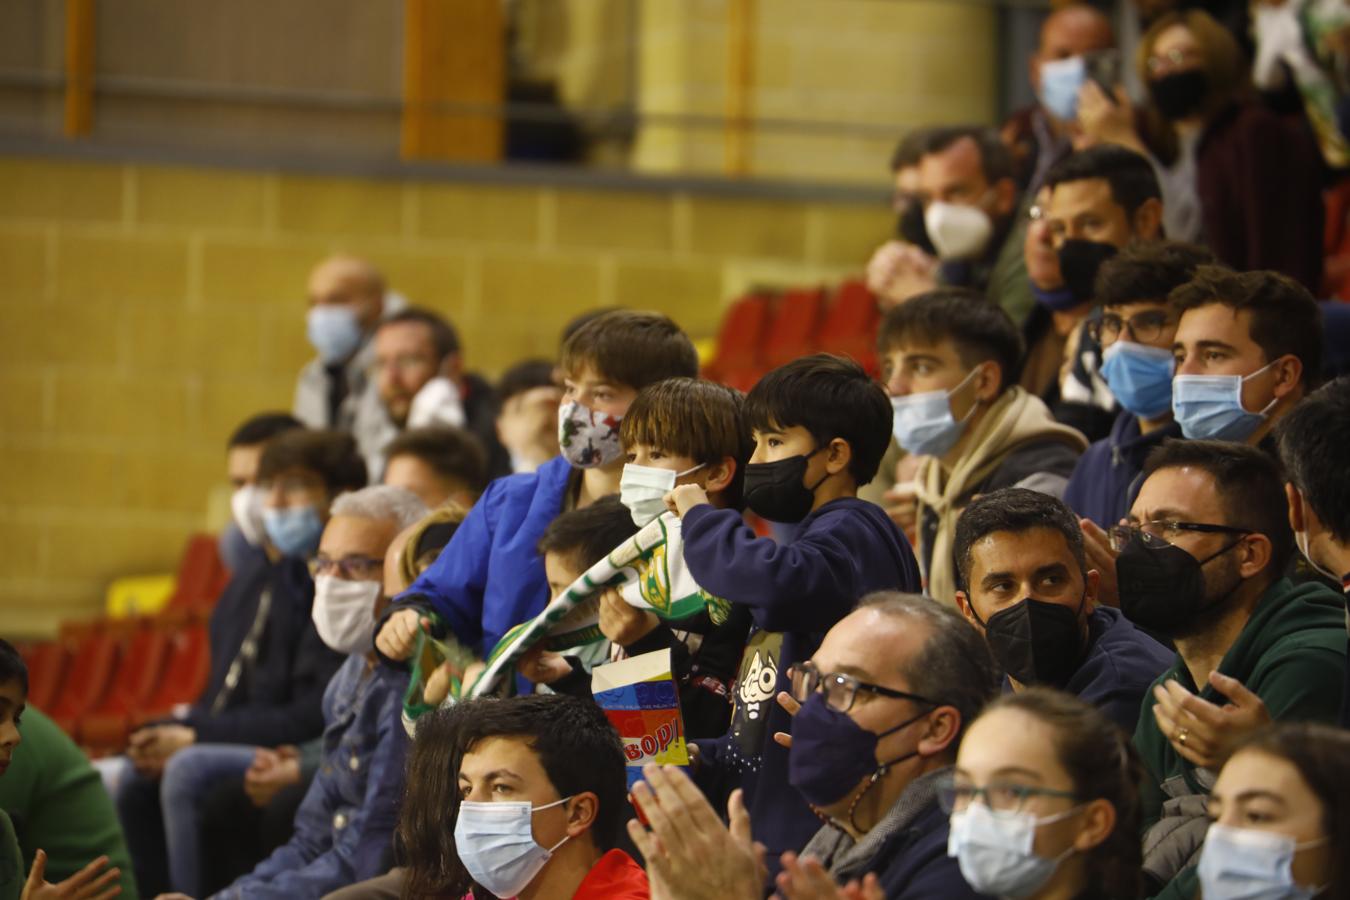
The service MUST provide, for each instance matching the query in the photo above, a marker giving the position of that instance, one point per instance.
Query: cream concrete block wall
(146, 310)
(886, 66)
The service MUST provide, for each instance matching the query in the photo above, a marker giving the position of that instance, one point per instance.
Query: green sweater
(1291, 654)
(58, 804)
(12, 873)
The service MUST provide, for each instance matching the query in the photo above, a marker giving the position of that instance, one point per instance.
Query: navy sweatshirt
(795, 592)
(1121, 665)
(1102, 486)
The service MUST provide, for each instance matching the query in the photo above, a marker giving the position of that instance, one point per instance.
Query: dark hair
(1129, 175)
(1103, 764)
(1016, 510)
(1247, 482)
(1285, 319)
(587, 535)
(955, 666)
(632, 348)
(12, 666)
(980, 330)
(576, 322)
(831, 397)
(444, 338)
(452, 453)
(695, 418)
(1313, 438)
(995, 160)
(331, 455)
(577, 747)
(1148, 272)
(909, 151)
(262, 428)
(524, 376)
(1321, 754)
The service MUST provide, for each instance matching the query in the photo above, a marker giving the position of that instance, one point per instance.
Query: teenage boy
(491, 577)
(951, 365)
(1135, 331)
(820, 427)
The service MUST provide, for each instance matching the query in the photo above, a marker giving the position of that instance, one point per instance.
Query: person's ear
(1148, 220)
(988, 381)
(720, 475)
(1254, 555)
(1091, 582)
(1288, 375)
(1295, 501)
(942, 729)
(582, 810)
(963, 604)
(839, 456)
(1098, 822)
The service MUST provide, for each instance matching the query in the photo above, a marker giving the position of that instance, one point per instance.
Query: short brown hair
(452, 453)
(1285, 319)
(331, 455)
(632, 348)
(695, 418)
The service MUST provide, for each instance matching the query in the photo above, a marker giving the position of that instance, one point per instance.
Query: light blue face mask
(1140, 377)
(923, 423)
(495, 841)
(1246, 864)
(333, 332)
(994, 850)
(1061, 80)
(294, 531)
(1210, 406)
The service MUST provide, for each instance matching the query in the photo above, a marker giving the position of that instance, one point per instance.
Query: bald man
(347, 298)
(1039, 136)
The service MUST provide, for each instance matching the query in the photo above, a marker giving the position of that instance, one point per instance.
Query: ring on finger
(1182, 734)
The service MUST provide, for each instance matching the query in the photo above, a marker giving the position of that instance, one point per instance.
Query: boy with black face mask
(821, 426)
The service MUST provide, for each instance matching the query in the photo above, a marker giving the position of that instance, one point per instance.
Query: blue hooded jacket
(1102, 485)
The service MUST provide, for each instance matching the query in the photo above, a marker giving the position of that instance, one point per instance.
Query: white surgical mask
(643, 490)
(923, 423)
(246, 506)
(344, 613)
(1246, 864)
(995, 853)
(958, 231)
(495, 841)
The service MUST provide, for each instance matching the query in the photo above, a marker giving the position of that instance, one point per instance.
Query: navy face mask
(831, 753)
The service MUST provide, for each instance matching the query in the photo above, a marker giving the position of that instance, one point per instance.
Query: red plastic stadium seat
(93, 651)
(187, 665)
(201, 575)
(850, 326)
(737, 358)
(795, 329)
(137, 676)
(46, 669)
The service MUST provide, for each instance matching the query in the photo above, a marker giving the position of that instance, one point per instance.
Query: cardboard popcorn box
(642, 701)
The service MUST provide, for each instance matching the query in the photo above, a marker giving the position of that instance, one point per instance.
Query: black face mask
(1037, 642)
(775, 490)
(1163, 588)
(910, 227)
(1179, 95)
(1079, 263)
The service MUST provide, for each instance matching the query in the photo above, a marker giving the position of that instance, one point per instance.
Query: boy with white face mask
(244, 536)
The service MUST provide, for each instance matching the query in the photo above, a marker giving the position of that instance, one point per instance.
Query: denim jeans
(189, 776)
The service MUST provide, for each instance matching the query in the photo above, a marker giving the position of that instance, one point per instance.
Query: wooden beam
(454, 80)
(738, 136)
(79, 106)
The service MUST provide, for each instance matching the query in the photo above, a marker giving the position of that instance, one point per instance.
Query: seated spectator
(1312, 441)
(906, 264)
(1202, 563)
(439, 463)
(418, 379)
(1101, 200)
(520, 797)
(1248, 346)
(1278, 817)
(1024, 583)
(347, 297)
(244, 536)
(819, 426)
(1044, 801)
(268, 672)
(1218, 149)
(55, 817)
(1135, 331)
(490, 577)
(880, 710)
(950, 363)
(527, 414)
(364, 740)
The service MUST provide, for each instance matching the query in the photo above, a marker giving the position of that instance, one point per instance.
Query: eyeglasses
(405, 362)
(350, 568)
(1172, 59)
(955, 794)
(840, 690)
(1143, 327)
(1161, 532)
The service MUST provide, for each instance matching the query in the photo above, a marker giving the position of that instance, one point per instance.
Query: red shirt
(615, 876)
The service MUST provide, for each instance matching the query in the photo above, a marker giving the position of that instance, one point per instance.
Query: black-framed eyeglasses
(955, 793)
(350, 568)
(1165, 531)
(1143, 327)
(840, 690)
